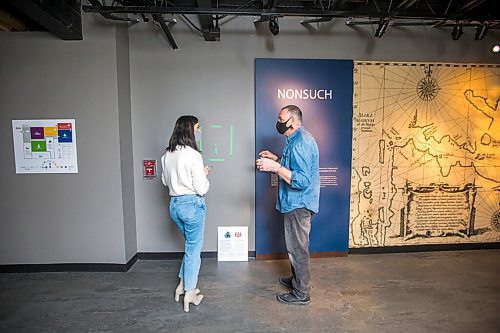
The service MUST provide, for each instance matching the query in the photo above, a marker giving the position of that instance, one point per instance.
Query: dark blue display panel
(323, 91)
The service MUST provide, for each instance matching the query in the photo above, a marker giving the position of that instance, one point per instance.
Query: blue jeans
(188, 212)
(297, 228)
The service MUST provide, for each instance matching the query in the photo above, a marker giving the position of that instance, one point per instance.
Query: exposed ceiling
(12, 19)
(63, 17)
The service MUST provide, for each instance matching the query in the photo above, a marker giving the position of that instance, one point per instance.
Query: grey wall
(215, 81)
(125, 92)
(73, 217)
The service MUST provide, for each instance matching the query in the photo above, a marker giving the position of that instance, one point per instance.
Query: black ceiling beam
(268, 5)
(317, 20)
(405, 4)
(465, 12)
(448, 7)
(339, 3)
(272, 4)
(278, 11)
(213, 11)
(62, 18)
(164, 27)
(108, 16)
(218, 11)
(471, 5)
(207, 23)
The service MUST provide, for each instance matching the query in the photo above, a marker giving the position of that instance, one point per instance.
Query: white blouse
(183, 172)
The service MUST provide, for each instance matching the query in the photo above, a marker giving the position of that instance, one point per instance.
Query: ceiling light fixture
(458, 30)
(273, 25)
(495, 48)
(481, 31)
(382, 26)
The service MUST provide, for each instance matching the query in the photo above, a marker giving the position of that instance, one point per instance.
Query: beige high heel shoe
(192, 297)
(179, 291)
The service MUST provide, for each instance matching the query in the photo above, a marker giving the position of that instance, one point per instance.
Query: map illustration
(45, 146)
(426, 154)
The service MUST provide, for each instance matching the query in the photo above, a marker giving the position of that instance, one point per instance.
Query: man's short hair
(294, 111)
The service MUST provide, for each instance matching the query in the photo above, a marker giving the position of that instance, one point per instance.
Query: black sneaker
(290, 298)
(286, 282)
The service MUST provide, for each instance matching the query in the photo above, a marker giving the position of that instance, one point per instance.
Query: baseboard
(278, 256)
(71, 267)
(76, 267)
(390, 249)
(131, 262)
(271, 256)
(178, 255)
(98, 267)
(328, 254)
(424, 248)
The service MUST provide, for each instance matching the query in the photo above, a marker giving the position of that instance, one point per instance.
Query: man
(298, 198)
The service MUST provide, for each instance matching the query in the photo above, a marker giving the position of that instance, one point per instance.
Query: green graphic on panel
(38, 146)
(220, 145)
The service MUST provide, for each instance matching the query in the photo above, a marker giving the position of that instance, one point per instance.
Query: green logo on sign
(38, 146)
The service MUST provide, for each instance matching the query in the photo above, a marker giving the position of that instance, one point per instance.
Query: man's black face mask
(281, 127)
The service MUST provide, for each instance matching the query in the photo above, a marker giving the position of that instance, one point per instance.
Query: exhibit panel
(322, 89)
(425, 154)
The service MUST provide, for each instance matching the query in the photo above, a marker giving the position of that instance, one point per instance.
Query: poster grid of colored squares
(45, 146)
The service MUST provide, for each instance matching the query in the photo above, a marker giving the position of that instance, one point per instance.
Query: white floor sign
(232, 244)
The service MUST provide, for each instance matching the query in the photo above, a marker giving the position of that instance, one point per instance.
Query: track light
(458, 30)
(481, 31)
(273, 25)
(382, 26)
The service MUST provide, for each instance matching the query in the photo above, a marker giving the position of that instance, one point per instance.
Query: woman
(186, 178)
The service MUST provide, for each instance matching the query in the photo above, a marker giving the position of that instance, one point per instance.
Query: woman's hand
(207, 169)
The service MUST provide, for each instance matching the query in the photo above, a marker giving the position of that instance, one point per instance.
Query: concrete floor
(411, 292)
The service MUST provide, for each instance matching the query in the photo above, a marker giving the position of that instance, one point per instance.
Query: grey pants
(297, 228)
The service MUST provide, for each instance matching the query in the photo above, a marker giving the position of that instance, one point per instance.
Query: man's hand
(267, 165)
(268, 154)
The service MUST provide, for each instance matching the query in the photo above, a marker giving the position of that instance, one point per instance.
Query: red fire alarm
(149, 169)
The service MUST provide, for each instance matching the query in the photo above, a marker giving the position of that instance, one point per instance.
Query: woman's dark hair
(183, 134)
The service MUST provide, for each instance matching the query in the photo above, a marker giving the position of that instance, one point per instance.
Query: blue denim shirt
(301, 156)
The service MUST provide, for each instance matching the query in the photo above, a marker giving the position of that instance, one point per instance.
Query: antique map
(426, 154)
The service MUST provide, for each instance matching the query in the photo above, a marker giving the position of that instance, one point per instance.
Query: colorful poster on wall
(322, 89)
(45, 146)
(425, 154)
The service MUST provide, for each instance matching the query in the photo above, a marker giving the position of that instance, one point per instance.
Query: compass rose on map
(427, 88)
(495, 220)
